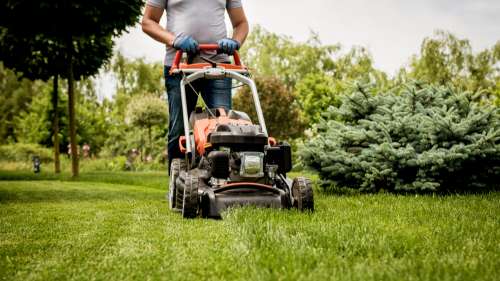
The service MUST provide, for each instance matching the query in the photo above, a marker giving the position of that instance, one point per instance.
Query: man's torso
(204, 20)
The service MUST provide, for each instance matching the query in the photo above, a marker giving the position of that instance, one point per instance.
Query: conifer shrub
(421, 138)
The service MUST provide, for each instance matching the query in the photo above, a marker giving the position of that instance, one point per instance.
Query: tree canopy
(445, 59)
(52, 37)
(52, 18)
(281, 113)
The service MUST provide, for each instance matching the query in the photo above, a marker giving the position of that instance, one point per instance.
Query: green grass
(116, 226)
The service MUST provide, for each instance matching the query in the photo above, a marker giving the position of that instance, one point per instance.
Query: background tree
(96, 20)
(15, 98)
(136, 76)
(269, 54)
(93, 122)
(318, 91)
(41, 58)
(147, 111)
(281, 113)
(445, 59)
(315, 93)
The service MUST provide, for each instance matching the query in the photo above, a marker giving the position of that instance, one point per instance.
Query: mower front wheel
(175, 193)
(190, 198)
(302, 194)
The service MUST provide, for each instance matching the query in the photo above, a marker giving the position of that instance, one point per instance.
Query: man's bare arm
(151, 26)
(240, 24)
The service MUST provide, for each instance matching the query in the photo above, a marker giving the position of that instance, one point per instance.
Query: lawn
(116, 226)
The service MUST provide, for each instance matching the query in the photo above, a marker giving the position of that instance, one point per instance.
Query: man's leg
(217, 93)
(175, 124)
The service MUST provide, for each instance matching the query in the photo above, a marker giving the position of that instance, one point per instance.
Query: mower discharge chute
(230, 161)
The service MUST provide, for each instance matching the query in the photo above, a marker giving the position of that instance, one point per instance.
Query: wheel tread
(303, 194)
(190, 198)
(175, 192)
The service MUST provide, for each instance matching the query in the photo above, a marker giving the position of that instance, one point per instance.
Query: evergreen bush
(422, 138)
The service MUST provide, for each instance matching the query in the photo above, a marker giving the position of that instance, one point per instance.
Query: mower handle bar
(205, 47)
(214, 73)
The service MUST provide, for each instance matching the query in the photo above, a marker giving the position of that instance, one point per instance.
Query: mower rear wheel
(190, 198)
(302, 194)
(175, 193)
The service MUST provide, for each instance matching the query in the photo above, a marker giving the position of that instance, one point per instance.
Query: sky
(392, 30)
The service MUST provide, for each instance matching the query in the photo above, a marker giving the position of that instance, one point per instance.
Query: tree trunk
(150, 146)
(55, 124)
(71, 109)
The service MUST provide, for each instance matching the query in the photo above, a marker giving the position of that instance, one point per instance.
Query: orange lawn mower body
(230, 161)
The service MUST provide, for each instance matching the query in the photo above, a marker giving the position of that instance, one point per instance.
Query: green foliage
(146, 111)
(274, 55)
(93, 124)
(15, 98)
(86, 45)
(33, 125)
(316, 73)
(135, 76)
(424, 138)
(22, 152)
(281, 113)
(315, 93)
(447, 60)
(94, 17)
(41, 57)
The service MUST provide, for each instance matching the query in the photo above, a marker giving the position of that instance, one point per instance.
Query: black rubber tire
(190, 198)
(302, 193)
(175, 194)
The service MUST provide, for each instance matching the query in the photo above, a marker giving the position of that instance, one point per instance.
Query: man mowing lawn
(190, 23)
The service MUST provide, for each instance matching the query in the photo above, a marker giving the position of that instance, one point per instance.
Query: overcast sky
(391, 29)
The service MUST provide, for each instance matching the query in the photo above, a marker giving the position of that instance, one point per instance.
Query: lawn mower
(229, 160)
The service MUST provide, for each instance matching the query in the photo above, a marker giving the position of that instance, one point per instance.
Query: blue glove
(185, 43)
(228, 46)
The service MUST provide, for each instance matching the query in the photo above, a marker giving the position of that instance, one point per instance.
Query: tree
(424, 138)
(93, 123)
(136, 76)
(445, 59)
(16, 97)
(146, 111)
(315, 93)
(97, 20)
(33, 125)
(316, 73)
(42, 58)
(318, 91)
(281, 113)
(268, 54)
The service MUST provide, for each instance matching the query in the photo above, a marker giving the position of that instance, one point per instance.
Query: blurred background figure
(86, 150)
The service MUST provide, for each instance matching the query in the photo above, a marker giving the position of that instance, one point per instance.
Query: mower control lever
(211, 62)
(204, 47)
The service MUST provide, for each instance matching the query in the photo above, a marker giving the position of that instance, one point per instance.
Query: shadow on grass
(345, 191)
(58, 192)
(156, 180)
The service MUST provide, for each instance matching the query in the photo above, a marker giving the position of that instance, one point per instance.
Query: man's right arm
(151, 25)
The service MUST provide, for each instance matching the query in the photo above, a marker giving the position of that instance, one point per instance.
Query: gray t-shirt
(202, 19)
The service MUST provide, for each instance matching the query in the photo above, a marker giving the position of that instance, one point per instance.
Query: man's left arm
(240, 24)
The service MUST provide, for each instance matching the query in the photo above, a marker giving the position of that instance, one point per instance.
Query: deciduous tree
(95, 20)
